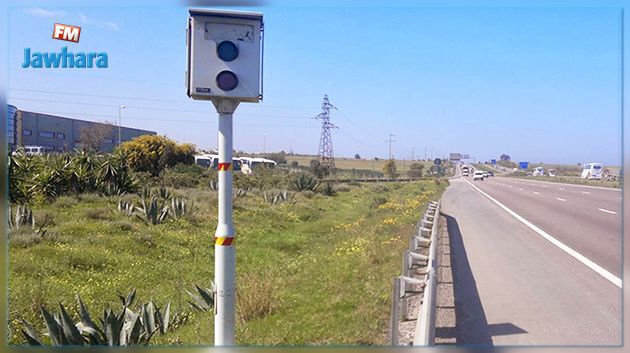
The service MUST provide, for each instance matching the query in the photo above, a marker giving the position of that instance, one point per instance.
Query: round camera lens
(227, 80)
(227, 51)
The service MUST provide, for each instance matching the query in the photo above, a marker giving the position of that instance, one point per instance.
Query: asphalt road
(513, 286)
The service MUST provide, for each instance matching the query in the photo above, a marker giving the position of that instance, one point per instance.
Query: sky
(542, 84)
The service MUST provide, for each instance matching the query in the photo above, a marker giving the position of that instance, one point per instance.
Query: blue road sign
(523, 165)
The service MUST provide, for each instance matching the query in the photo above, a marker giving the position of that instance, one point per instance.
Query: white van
(538, 171)
(592, 171)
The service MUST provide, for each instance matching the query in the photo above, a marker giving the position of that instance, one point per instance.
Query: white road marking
(607, 211)
(520, 189)
(560, 199)
(561, 189)
(536, 192)
(590, 264)
(586, 192)
(510, 185)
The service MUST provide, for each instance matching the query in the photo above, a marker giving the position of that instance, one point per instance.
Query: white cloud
(110, 26)
(40, 12)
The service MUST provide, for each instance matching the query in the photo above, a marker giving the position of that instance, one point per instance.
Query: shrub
(303, 182)
(329, 190)
(116, 329)
(152, 153)
(377, 201)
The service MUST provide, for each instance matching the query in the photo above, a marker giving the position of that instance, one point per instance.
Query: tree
(92, 136)
(505, 157)
(153, 153)
(415, 170)
(357, 156)
(390, 169)
(280, 158)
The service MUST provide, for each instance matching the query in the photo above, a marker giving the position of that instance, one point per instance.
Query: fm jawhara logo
(64, 58)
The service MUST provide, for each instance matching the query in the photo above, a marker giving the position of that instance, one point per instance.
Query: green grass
(315, 272)
(402, 166)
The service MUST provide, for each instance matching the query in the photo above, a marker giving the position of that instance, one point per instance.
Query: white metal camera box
(224, 55)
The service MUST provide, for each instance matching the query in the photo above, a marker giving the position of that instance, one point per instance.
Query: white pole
(120, 108)
(224, 252)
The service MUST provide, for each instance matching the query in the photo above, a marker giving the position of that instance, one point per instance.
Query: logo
(66, 32)
(64, 58)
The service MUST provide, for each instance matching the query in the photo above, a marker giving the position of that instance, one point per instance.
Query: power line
(158, 109)
(147, 99)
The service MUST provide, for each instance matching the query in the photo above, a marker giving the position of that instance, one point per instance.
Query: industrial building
(61, 134)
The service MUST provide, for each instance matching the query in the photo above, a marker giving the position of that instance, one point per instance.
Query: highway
(534, 263)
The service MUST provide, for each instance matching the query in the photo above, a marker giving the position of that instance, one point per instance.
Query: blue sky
(538, 83)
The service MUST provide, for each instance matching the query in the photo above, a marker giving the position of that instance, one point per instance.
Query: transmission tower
(326, 157)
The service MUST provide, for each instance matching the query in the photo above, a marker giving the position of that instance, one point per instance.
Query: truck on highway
(465, 170)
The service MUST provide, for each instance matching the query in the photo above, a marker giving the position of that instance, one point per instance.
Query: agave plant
(303, 182)
(152, 212)
(275, 198)
(126, 208)
(22, 216)
(115, 329)
(240, 192)
(213, 185)
(180, 208)
(203, 300)
(329, 190)
(164, 193)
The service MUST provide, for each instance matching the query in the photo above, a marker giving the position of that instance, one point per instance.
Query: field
(402, 166)
(316, 270)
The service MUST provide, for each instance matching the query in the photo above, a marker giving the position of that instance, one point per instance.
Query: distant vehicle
(36, 150)
(465, 172)
(207, 160)
(592, 171)
(254, 163)
(552, 173)
(538, 171)
(212, 161)
(485, 173)
(478, 175)
(490, 174)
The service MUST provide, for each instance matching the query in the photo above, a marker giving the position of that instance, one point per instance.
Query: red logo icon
(66, 32)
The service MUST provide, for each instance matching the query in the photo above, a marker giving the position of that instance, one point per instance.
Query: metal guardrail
(426, 237)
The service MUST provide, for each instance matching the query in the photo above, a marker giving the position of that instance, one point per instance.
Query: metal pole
(224, 252)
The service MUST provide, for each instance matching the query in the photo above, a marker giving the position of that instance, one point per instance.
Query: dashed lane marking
(590, 264)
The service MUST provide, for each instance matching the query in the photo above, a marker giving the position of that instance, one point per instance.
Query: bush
(377, 201)
(303, 182)
(152, 153)
(329, 190)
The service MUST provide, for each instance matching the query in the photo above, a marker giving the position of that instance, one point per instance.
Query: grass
(402, 166)
(314, 272)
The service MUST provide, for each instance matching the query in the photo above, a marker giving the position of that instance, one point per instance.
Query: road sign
(523, 165)
(493, 161)
(437, 161)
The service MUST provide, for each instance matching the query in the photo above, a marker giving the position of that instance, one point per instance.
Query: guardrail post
(395, 317)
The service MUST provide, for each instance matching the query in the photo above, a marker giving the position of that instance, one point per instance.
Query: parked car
(538, 171)
(478, 175)
(592, 171)
(552, 173)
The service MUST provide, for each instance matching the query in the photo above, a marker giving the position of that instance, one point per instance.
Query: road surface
(534, 263)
